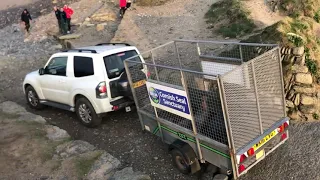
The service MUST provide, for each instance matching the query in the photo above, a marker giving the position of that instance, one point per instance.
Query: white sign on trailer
(169, 99)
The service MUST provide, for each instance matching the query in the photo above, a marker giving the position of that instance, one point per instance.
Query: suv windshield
(114, 63)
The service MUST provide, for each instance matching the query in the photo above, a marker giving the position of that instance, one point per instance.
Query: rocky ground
(32, 149)
(120, 133)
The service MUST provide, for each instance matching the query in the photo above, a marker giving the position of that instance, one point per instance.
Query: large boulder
(304, 78)
(129, 174)
(73, 148)
(13, 109)
(104, 167)
(56, 134)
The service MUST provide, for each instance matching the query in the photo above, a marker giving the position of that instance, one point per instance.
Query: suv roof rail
(80, 50)
(101, 44)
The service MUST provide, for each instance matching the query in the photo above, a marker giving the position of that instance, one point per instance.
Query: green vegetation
(295, 39)
(315, 116)
(312, 66)
(151, 2)
(316, 17)
(232, 18)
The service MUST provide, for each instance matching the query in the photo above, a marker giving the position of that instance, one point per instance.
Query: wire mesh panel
(268, 80)
(241, 105)
(206, 106)
(253, 93)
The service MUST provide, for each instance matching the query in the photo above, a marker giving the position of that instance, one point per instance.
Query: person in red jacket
(69, 13)
(123, 7)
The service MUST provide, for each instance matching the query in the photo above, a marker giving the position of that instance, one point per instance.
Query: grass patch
(83, 164)
(312, 66)
(151, 2)
(238, 23)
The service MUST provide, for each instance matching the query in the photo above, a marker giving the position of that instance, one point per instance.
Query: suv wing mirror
(41, 71)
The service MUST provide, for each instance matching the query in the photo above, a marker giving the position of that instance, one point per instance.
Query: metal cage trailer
(213, 102)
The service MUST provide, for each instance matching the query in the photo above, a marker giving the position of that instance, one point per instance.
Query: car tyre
(86, 113)
(33, 98)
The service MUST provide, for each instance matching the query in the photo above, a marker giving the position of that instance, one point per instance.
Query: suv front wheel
(33, 98)
(86, 113)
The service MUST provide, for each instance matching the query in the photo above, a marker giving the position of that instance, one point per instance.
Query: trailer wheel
(180, 161)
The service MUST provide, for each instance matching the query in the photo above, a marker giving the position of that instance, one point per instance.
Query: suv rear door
(114, 65)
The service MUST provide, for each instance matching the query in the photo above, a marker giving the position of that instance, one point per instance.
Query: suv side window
(57, 66)
(83, 66)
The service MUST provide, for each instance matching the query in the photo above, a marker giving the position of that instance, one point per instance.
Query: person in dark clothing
(26, 18)
(57, 12)
(63, 21)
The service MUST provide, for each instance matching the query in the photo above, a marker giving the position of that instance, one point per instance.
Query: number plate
(139, 83)
(265, 140)
(260, 154)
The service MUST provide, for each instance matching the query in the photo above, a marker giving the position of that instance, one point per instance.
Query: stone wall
(300, 88)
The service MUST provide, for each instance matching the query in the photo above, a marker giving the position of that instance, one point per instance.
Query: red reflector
(148, 74)
(283, 136)
(250, 152)
(241, 168)
(242, 158)
(280, 128)
(114, 108)
(285, 125)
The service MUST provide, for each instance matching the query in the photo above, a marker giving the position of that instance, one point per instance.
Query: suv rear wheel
(86, 113)
(32, 98)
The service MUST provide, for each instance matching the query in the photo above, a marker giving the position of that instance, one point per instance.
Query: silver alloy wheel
(32, 98)
(85, 113)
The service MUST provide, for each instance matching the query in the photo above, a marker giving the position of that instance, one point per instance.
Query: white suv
(90, 81)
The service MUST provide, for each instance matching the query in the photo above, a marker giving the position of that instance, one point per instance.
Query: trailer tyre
(180, 161)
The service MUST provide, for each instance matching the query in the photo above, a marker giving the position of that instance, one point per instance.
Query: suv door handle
(62, 81)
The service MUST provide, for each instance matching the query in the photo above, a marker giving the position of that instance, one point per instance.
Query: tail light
(284, 136)
(283, 127)
(101, 90)
(242, 158)
(250, 152)
(241, 168)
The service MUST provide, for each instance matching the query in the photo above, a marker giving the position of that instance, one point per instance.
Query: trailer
(213, 102)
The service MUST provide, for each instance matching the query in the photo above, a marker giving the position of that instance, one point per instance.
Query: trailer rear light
(284, 136)
(286, 124)
(281, 128)
(250, 152)
(241, 168)
(242, 158)
(101, 90)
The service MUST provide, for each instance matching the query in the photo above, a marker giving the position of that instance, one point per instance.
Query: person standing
(57, 12)
(128, 4)
(26, 19)
(69, 13)
(63, 21)
(123, 7)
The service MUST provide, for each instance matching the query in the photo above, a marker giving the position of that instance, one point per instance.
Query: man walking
(69, 13)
